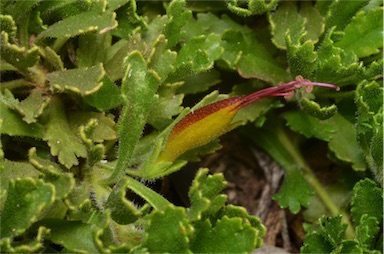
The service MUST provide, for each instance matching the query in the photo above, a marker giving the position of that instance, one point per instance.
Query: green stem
(313, 181)
(13, 84)
(58, 44)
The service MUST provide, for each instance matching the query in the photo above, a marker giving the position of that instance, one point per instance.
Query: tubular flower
(207, 123)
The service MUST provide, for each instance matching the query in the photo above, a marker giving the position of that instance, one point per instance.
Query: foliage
(90, 91)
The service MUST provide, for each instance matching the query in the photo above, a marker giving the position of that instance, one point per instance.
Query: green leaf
(13, 125)
(138, 91)
(21, 58)
(75, 236)
(92, 49)
(250, 57)
(168, 231)
(167, 106)
(340, 13)
(154, 199)
(177, 16)
(228, 235)
(62, 181)
(366, 231)
(337, 130)
(80, 24)
(8, 25)
(369, 101)
(285, 20)
(52, 58)
(107, 97)
(255, 7)
(363, 36)
(123, 211)
(328, 238)
(14, 170)
(301, 58)
(295, 192)
(26, 198)
(314, 109)
(367, 199)
(204, 195)
(84, 81)
(200, 82)
(32, 245)
(62, 140)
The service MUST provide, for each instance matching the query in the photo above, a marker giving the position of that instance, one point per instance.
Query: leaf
(200, 82)
(92, 49)
(13, 125)
(80, 24)
(340, 13)
(295, 192)
(123, 211)
(363, 36)
(168, 231)
(52, 58)
(177, 16)
(21, 58)
(369, 128)
(8, 25)
(25, 201)
(204, 195)
(228, 235)
(367, 199)
(61, 139)
(366, 231)
(255, 7)
(167, 106)
(33, 245)
(250, 57)
(63, 182)
(302, 58)
(138, 89)
(75, 236)
(84, 81)
(327, 238)
(337, 130)
(107, 97)
(154, 199)
(285, 20)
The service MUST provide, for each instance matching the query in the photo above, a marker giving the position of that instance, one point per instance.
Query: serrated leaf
(200, 82)
(33, 106)
(363, 36)
(255, 7)
(21, 58)
(177, 16)
(228, 235)
(314, 109)
(107, 97)
(20, 9)
(285, 20)
(80, 24)
(8, 25)
(122, 210)
(75, 236)
(204, 195)
(92, 49)
(60, 137)
(340, 13)
(167, 106)
(33, 245)
(329, 237)
(63, 182)
(366, 231)
(367, 199)
(26, 198)
(52, 58)
(14, 170)
(13, 125)
(250, 57)
(314, 21)
(168, 231)
(84, 81)
(295, 192)
(301, 58)
(313, 127)
(161, 59)
(335, 66)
